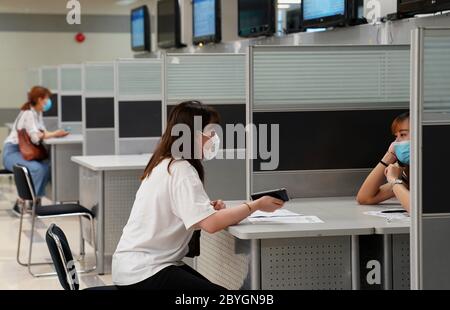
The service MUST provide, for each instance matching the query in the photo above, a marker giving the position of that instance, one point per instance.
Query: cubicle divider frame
(75, 127)
(152, 91)
(259, 264)
(104, 142)
(34, 78)
(49, 76)
(430, 126)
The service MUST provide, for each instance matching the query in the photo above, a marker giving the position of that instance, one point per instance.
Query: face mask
(402, 151)
(211, 148)
(48, 105)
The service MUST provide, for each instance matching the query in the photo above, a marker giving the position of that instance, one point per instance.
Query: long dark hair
(37, 92)
(184, 113)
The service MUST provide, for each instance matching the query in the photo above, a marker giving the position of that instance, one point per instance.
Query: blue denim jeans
(39, 170)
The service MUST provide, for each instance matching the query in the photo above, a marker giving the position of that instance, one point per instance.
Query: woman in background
(30, 118)
(389, 178)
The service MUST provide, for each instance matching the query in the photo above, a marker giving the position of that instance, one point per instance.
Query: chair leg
(20, 238)
(82, 244)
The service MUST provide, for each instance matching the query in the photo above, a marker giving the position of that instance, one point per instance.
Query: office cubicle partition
(139, 114)
(70, 98)
(49, 79)
(430, 151)
(334, 106)
(217, 80)
(98, 108)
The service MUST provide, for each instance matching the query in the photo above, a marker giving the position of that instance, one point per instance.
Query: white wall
(22, 50)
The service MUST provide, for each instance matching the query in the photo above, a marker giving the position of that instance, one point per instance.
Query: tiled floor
(15, 277)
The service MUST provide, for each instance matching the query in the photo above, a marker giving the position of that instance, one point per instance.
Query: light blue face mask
(403, 151)
(48, 105)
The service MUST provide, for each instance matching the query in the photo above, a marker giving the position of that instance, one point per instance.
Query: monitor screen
(204, 18)
(140, 119)
(140, 32)
(168, 24)
(54, 110)
(71, 108)
(99, 112)
(256, 17)
(313, 9)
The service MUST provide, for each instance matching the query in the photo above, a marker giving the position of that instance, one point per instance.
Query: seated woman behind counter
(390, 177)
(31, 119)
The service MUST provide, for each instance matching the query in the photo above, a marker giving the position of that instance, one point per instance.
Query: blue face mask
(402, 151)
(48, 105)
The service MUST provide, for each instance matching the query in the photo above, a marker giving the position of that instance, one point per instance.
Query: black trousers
(175, 278)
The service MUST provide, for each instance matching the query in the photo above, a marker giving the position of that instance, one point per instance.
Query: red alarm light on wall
(80, 37)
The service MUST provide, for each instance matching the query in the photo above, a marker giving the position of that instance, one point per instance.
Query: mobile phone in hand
(277, 193)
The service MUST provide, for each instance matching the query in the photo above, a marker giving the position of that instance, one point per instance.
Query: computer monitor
(53, 112)
(99, 113)
(256, 18)
(324, 13)
(206, 21)
(71, 108)
(140, 119)
(140, 29)
(169, 24)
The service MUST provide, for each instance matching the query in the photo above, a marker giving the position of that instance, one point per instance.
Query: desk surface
(113, 162)
(342, 216)
(70, 139)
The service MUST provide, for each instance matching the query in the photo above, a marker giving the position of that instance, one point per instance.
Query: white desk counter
(69, 139)
(108, 186)
(342, 216)
(113, 162)
(329, 255)
(64, 171)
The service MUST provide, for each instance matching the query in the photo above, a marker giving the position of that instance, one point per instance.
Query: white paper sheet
(278, 213)
(300, 219)
(389, 216)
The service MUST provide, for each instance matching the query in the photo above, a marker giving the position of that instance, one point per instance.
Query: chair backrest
(62, 258)
(24, 183)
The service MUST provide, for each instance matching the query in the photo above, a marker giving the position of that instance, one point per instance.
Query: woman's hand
(218, 205)
(390, 157)
(268, 204)
(60, 133)
(393, 172)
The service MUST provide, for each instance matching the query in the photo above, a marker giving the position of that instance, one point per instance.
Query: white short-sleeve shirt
(159, 229)
(32, 121)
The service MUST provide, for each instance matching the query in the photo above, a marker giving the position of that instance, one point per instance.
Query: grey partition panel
(225, 260)
(49, 77)
(99, 78)
(324, 99)
(401, 262)
(71, 109)
(211, 78)
(430, 122)
(314, 76)
(306, 263)
(71, 98)
(311, 184)
(70, 79)
(139, 108)
(99, 142)
(33, 78)
(51, 123)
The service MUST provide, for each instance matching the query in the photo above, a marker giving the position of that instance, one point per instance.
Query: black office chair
(63, 260)
(25, 189)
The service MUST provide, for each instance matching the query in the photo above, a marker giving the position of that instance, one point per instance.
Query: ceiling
(59, 6)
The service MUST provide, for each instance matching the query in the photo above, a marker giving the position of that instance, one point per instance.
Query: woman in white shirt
(30, 118)
(171, 204)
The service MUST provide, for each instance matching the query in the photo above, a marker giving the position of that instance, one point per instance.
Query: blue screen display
(138, 28)
(313, 9)
(204, 18)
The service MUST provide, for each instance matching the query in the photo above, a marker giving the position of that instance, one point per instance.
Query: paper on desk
(277, 213)
(389, 216)
(299, 219)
